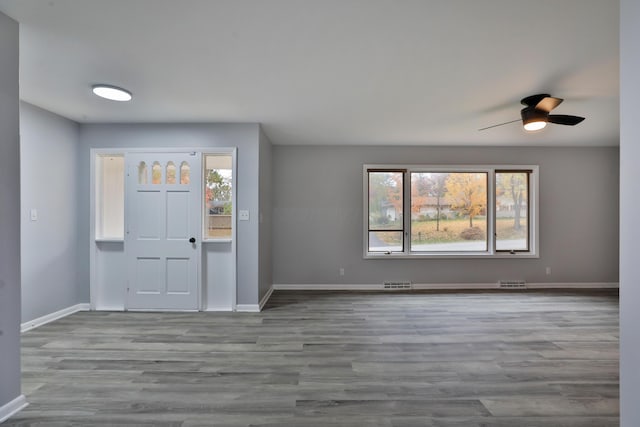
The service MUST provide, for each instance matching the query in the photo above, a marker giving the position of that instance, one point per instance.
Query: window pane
(185, 173)
(142, 173)
(448, 211)
(109, 196)
(156, 173)
(512, 211)
(171, 173)
(218, 195)
(385, 200)
(385, 241)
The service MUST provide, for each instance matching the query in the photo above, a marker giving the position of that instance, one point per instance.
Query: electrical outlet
(341, 271)
(548, 271)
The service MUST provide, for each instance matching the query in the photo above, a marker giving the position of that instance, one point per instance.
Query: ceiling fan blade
(548, 103)
(501, 124)
(533, 100)
(561, 119)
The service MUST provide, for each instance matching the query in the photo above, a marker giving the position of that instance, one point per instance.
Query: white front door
(162, 237)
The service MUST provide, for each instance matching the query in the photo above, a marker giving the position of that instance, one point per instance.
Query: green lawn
(451, 229)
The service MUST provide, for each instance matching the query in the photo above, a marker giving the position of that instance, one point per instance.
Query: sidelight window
(218, 195)
(109, 196)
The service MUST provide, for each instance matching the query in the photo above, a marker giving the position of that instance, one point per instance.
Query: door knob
(192, 240)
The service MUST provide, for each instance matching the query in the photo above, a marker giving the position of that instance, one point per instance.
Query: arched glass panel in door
(185, 173)
(171, 173)
(156, 173)
(142, 173)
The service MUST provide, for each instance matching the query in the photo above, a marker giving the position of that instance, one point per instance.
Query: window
(449, 211)
(386, 233)
(461, 211)
(218, 203)
(512, 210)
(109, 196)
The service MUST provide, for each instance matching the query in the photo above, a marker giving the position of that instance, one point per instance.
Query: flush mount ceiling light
(112, 93)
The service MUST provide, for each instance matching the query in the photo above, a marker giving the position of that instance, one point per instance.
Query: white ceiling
(330, 71)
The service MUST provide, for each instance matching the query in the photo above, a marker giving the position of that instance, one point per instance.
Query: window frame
(404, 197)
(99, 199)
(530, 173)
(490, 169)
(232, 152)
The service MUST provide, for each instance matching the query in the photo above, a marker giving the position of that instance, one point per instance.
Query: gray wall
(629, 208)
(242, 136)
(9, 213)
(317, 225)
(266, 270)
(49, 179)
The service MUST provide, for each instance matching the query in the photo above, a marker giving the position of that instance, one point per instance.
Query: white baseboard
(31, 324)
(455, 286)
(326, 287)
(248, 308)
(440, 286)
(221, 308)
(265, 298)
(574, 285)
(12, 408)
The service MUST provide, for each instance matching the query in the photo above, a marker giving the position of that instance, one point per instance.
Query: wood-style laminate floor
(514, 359)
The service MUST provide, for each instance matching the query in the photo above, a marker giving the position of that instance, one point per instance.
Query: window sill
(444, 255)
(109, 240)
(217, 240)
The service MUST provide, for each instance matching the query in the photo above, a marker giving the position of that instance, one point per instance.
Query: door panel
(178, 270)
(147, 275)
(178, 214)
(148, 215)
(163, 215)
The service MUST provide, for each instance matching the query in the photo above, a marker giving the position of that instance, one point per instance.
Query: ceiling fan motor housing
(532, 114)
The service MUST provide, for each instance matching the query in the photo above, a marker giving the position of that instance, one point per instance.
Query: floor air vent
(396, 285)
(513, 284)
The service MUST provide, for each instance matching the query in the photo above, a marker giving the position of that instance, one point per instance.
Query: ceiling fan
(535, 115)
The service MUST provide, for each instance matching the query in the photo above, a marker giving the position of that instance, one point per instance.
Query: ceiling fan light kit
(533, 119)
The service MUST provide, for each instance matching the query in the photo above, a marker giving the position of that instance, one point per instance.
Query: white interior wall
(10, 397)
(629, 207)
(266, 215)
(201, 136)
(49, 177)
(318, 216)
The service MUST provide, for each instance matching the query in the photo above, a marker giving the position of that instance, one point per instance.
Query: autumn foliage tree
(218, 189)
(426, 187)
(467, 193)
(514, 186)
(385, 189)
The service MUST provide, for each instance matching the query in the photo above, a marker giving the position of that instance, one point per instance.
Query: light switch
(243, 215)
(34, 214)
